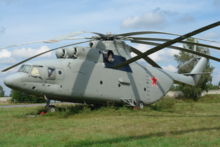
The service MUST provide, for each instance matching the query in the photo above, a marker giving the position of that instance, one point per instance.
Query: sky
(30, 20)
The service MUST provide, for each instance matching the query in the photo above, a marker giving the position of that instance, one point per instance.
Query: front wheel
(141, 105)
(51, 108)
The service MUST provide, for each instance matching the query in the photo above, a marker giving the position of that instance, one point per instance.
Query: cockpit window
(51, 73)
(36, 71)
(25, 68)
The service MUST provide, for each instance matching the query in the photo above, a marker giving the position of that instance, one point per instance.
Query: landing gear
(51, 108)
(141, 105)
(138, 106)
(48, 107)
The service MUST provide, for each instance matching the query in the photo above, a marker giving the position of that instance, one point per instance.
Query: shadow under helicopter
(139, 137)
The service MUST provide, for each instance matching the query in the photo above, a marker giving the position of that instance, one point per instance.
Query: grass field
(166, 123)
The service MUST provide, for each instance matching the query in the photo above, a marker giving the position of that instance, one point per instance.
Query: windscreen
(25, 68)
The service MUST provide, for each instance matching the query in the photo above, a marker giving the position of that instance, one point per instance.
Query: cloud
(8, 60)
(28, 52)
(216, 76)
(4, 53)
(162, 55)
(170, 68)
(157, 18)
(186, 18)
(212, 35)
(152, 19)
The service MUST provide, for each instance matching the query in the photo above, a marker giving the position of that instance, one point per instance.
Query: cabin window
(110, 60)
(25, 68)
(51, 73)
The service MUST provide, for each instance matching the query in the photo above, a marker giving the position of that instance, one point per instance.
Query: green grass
(166, 123)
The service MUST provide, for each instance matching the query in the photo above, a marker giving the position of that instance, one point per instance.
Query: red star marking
(153, 81)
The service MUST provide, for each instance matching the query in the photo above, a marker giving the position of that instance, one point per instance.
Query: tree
(23, 97)
(2, 93)
(205, 80)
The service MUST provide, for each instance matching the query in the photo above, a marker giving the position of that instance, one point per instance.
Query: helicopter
(105, 71)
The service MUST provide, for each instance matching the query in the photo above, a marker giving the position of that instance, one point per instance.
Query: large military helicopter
(105, 71)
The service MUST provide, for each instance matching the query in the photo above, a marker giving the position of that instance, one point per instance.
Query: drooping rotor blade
(168, 43)
(57, 39)
(146, 58)
(8, 68)
(181, 49)
(156, 32)
(187, 42)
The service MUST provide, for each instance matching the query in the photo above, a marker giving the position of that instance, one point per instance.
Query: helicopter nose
(8, 81)
(13, 81)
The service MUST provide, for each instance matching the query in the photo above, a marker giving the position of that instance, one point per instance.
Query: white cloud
(216, 76)
(170, 68)
(162, 55)
(212, 35)
(173, 52)
(186, 18)
(8, 60)
(28, 52)
(152, 19)
(5, 53)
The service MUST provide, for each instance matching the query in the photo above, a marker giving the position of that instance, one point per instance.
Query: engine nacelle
(60, 53)
(71, 52)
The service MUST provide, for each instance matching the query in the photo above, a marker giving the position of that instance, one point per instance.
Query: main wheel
(51, 108)
(141, 105)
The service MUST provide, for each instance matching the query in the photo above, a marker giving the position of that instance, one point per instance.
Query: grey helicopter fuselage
(105, 71)
(83, 74)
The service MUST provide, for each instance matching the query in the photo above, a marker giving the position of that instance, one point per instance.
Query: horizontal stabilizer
(193, 74)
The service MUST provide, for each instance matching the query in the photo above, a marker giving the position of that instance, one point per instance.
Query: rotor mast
(118, 47)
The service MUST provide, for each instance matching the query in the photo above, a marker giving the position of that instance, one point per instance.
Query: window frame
(53, 74)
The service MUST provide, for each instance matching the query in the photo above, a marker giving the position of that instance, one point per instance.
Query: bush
(1, 91)
(22, 97)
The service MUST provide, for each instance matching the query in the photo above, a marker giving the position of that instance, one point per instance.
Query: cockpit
(110, 60)
(25, 68)
(39, 71)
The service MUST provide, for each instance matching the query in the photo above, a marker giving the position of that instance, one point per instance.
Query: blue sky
(28, 20)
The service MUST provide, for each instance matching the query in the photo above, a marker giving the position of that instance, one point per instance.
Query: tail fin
(198, 69)
(193, 77)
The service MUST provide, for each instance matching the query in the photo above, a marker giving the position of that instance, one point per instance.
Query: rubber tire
(52, 108)
(141, 105)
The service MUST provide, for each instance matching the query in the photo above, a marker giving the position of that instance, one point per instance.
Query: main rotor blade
(156, 32)
(99, 34)
(168, 43)
(6, 69)
(181, 49)
(186, 42)
(57, 39)
(146, 58)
